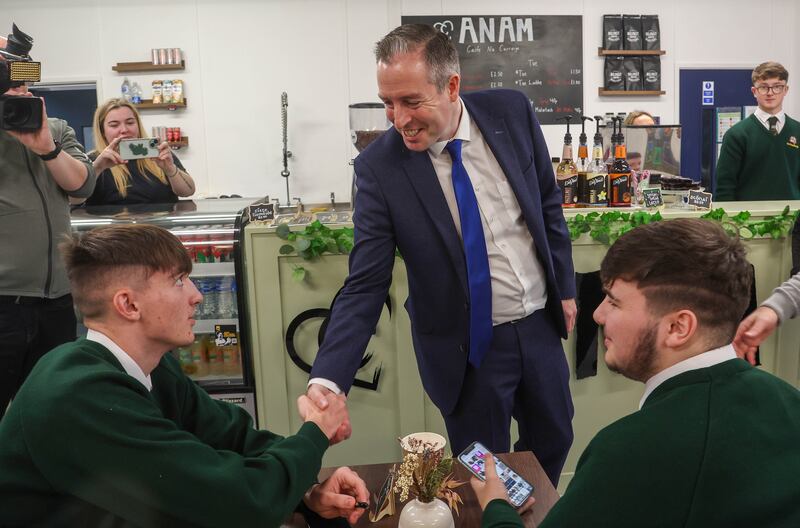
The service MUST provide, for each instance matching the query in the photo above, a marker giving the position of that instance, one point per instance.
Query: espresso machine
(367, 123)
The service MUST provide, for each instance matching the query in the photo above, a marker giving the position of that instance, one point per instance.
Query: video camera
(19, 113)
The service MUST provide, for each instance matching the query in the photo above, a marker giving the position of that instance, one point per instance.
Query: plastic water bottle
(136, 93)
(211, 302)
(200, 284)
(235, 310)
(225, 297)
(126, 89)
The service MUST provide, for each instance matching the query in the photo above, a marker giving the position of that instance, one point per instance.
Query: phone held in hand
(517, 487)
(138, 148)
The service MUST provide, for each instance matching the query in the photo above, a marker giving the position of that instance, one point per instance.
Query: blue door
(730, 88)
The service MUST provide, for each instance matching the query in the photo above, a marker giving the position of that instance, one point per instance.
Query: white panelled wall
(242, 54)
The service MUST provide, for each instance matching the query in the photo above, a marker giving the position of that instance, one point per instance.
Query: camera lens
(153, 142)
(16, 114)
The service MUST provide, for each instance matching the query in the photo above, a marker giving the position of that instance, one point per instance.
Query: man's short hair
(686, 263)
(769, 70)
(130, 252)
(440, 54)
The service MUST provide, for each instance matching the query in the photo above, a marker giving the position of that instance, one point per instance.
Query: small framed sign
(652, 197)
(700, 199)
(264, 212)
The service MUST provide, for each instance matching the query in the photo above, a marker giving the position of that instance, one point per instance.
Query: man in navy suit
(406, 200)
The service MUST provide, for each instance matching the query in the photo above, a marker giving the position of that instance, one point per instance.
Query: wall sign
(541, 56)
(708, 93)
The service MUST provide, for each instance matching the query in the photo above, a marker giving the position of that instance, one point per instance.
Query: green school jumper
(85, 444)
(712, 447)
(755, 165)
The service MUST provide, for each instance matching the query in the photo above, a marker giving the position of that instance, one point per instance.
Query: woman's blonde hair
(120, 172)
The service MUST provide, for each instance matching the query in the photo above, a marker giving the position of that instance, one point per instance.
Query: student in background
(639, 118)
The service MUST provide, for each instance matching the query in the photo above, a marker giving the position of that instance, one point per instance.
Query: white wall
(241, 54)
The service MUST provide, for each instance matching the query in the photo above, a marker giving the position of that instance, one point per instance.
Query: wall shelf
(604, 52)
(175, 145)
(130, 67)
(603, 91)
(148, 104)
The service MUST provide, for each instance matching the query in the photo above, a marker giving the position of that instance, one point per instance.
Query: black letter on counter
(315, 313)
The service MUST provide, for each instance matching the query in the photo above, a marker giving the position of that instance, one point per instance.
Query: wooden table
(524, 463)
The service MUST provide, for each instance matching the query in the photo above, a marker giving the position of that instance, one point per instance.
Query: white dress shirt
(762, 116)
(706, 359)
(131, 367)
(518, 280)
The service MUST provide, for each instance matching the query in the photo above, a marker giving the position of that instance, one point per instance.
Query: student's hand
(337, 496)
(755, 328)
(319, 395)
(493, 488)
(109, 157)
(329, 419)
(570, 313)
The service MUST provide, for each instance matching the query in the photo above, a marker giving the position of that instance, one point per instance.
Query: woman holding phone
(158, 178)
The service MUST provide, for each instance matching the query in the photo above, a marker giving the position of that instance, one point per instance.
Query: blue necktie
(480, 286)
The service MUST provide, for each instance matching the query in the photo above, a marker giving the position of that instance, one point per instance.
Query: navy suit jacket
(400, 205)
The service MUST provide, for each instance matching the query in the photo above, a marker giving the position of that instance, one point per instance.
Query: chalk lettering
(510, 30)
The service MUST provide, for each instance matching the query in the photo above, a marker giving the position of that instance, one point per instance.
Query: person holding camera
(39, 171)
(127, 177)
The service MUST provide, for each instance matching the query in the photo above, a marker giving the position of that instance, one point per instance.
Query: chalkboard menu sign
(541, 56)
(262, 212)
(652, 197)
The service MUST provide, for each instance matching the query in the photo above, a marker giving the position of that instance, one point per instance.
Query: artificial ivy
(317, 239)
(607, 227)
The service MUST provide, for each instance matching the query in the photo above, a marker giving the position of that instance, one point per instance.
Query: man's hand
(329, 419)
(337, 496)
(570, 313)
(319, 395)
(109, 157)
(755, 328)
(493, 487)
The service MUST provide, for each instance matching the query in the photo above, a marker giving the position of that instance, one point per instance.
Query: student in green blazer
(715, 442)
(108, 431)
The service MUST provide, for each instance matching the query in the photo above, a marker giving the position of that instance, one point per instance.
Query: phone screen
(517, 487)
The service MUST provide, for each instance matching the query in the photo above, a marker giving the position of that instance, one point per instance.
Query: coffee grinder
(367, 123)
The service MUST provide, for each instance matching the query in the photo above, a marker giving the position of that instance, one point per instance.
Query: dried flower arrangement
(426, 474)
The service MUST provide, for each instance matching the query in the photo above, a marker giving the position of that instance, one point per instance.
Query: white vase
(434, 514)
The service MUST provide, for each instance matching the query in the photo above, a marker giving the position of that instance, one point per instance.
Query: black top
(141, 189)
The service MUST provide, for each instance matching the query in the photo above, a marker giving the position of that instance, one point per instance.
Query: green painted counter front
(399, 406)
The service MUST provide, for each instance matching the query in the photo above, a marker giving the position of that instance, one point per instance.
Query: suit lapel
(419, 170)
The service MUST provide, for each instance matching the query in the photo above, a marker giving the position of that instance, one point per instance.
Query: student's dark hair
(440, 54)
(129, 252)
(685, 263)
(769, 70)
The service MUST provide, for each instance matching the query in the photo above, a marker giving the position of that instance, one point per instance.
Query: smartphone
(138, 148)
(517, 487)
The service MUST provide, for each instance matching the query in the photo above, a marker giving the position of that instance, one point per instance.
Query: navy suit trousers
(524, 376)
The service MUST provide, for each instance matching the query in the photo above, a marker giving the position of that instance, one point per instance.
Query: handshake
(327, 410)
(344, 494)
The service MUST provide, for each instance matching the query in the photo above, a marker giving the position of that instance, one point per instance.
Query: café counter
(388, 401)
